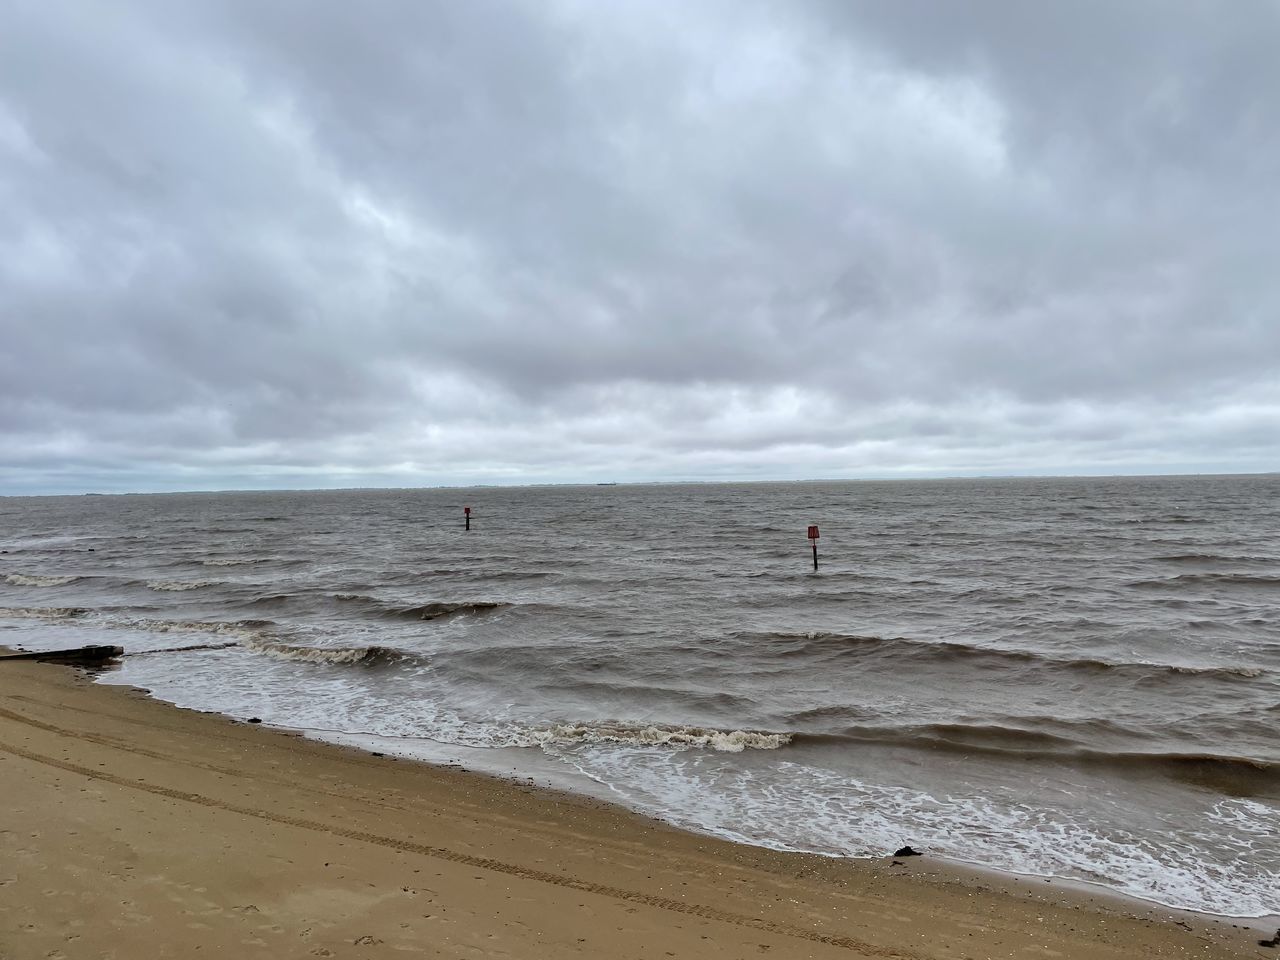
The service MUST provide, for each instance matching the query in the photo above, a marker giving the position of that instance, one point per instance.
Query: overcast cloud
(400, 243)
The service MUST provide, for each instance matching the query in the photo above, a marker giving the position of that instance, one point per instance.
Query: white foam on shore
(339, 702)
(1229, 865)
(699, 778)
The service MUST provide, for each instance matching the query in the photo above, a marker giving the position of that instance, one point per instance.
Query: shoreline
(971, 871)
(135, 827)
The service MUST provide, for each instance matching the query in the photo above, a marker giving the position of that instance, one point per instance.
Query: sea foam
(178, 586)
(657, 735)
(38, 580)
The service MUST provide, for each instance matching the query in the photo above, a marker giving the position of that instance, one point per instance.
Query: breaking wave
(656, 735)
(37, 580)
(1213, 579)
(43, 613)
(245, 629)
(901, 650)
(177, 586)
(1173, 518)
(436, 611)
(1234, 775)
(1203, 559)
(365, 656)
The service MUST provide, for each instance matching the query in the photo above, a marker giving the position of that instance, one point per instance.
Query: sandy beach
(135, 829)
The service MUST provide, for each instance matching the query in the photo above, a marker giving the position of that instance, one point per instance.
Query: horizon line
(652, 483)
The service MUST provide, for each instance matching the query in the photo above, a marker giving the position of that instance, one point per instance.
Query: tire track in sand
(116, 743)
(444, 853)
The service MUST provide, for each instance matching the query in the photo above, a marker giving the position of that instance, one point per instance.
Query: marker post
(466, 513)
(813, 542)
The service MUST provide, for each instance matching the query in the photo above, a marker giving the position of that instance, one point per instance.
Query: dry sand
(132, 829)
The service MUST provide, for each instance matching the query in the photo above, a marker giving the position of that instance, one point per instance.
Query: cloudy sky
(264, 244)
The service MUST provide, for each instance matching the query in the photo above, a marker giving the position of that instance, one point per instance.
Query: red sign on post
(813, 532)
(467, 511)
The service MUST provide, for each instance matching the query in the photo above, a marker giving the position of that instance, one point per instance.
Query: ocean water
(1061, 677)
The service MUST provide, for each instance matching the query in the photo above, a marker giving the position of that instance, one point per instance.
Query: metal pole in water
(813, 541)
(466, 513)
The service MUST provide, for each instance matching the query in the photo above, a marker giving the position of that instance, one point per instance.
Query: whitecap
(38, 580)
(177, 586)
(640, 734)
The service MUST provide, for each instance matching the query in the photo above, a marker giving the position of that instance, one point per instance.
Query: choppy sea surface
(1068, 677)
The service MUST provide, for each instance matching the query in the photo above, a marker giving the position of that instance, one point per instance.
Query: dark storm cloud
(314, 243)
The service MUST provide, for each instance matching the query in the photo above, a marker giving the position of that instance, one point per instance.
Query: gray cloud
(313, 244)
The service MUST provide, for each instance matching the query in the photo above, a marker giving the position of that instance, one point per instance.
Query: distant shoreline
(940, 478)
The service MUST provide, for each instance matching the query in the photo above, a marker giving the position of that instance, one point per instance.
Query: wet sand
(134, 829)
